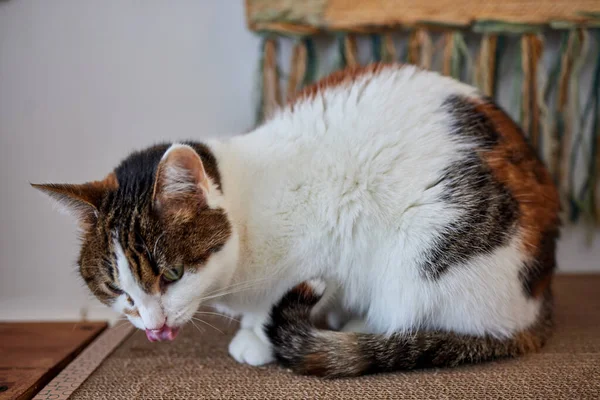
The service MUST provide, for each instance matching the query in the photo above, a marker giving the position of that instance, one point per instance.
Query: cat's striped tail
(299, 345)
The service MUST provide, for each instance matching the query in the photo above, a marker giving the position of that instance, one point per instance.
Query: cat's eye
(173, 274)
(113, 288)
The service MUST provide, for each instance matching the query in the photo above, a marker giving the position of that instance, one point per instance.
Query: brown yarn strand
(426, 49)
(350, 50)
(537, 49)
(270, 77)
(487, 63)
(448, 50)
(560, 160)
(297, 69)
(414, 48)
(390, 48)
(420, 48)
(526, 85)
(531, 48)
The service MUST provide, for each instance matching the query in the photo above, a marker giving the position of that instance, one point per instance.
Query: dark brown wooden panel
(32, 353)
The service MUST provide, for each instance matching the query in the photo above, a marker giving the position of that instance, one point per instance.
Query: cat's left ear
(181, 180)
(82, 200)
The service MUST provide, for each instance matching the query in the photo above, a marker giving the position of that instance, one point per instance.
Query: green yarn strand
(591, 114)
(311, 62)
(376, 47)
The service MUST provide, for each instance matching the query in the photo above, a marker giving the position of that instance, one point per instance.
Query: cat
(405, 205)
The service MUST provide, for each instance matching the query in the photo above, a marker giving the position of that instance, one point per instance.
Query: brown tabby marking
(132, 312)
(297, 344)
(515, 165)
(121, 207)
(82, 199)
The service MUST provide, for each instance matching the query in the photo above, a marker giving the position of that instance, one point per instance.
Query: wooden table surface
(32, 353)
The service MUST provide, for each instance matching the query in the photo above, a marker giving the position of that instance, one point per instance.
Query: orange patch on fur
(528, 342)
(110, 182)
(131, 312)
(315, 364)
(304, 289)
(539, 287)
(340, 78)
(515, 165)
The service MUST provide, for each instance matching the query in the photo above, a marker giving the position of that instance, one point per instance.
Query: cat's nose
(164, 333)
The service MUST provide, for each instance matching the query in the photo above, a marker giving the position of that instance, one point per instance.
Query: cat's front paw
(247, 348)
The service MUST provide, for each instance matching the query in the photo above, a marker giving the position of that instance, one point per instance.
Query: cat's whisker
(234, 291)
(196, 326)
(211, 325)
(183, 312)
(229, 287)
(219, 314)
(250, 281)
(224, 294)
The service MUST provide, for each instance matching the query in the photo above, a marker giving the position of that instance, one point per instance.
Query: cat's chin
(166, 333)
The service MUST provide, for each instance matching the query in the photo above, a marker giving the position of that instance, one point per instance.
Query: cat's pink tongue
(164, 333)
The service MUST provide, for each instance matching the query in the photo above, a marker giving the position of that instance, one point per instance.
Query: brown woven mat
(197, 366)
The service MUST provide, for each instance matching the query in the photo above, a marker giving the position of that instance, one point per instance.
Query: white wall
(84, 82)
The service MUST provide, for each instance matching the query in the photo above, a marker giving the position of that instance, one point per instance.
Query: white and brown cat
(413, 200)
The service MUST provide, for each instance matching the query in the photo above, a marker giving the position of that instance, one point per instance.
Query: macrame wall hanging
(562, 129)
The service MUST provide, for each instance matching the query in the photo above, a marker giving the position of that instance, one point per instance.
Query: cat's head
(155, 237)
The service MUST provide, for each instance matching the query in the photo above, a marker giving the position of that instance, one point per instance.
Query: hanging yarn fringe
(303, 66)
(486, 64)
(545, 100)
(270, 99)
(298, 68)
(544, 143)
(413, 47)
(466, 61)
(566, 109)
(426, 47)
(594, 179)
(589, 124)
(562, 131)
(456, 56)
(448, 53)
(388, 49)
(531, 53)
(376, 46)
(383, 48)
(348, 51)
(311, 62)
(420, 48)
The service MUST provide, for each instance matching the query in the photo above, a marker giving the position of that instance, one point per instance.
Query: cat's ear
(181, 181)
(82, 200)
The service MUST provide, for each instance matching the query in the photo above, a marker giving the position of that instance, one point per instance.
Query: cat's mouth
(165, 333)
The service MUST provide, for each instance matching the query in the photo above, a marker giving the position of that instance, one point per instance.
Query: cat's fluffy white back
(344, 186)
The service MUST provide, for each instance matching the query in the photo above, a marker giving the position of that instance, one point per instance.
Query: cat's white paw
(247, 348)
